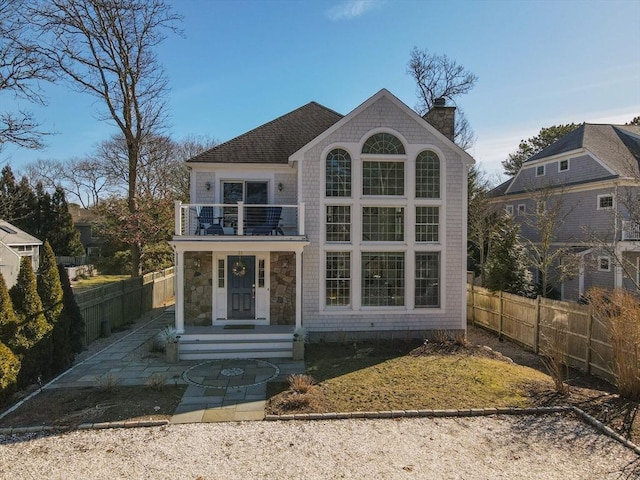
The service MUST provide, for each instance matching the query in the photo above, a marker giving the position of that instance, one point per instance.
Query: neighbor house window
(604, 264)
(383, 143)
(382, 224)
(338, 173)
(540, 171)
(522, 209)
(383, 178)
(427, 175)
(427, 224)
(509, 209)
(605, 202)
(382, 279)
(427, 285)
(563, 165)
(338, 223)
(338, 279)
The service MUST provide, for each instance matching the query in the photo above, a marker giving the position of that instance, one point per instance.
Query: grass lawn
(374, 377)
(97, 281)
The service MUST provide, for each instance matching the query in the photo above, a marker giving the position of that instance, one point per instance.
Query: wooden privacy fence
(535, 322)
(122, 302)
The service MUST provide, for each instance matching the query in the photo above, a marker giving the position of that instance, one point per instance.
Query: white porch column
(298, 289)
(179, 291)
(617, 282)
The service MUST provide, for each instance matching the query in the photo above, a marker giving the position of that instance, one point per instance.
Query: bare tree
(21, 68)
(106, 48)
(552, 262)
(84, 180)
(437, 76)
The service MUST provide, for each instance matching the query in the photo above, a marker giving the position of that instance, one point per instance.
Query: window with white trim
(383, 178)
(509, 209)
(540, 171)
(522, 209)
(427, 286)
(382, 224)
(338, 223)
(427, 224)
(338, 173)
(427, 175)
(604, 264)
(383, 279)
(605, 202)
(563, 165)
(338, 279)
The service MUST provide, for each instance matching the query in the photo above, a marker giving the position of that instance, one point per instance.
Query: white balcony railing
(630, 230)
(226, 221)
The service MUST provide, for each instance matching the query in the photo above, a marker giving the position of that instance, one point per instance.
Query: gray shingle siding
(385, 114)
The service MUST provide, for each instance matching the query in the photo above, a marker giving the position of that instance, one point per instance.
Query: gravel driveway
(500, 447)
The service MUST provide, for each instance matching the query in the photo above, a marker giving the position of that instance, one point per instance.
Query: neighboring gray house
(15, 244)
(348, 227)
(593, 175)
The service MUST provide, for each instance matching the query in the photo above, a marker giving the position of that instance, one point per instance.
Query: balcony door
(249, 192)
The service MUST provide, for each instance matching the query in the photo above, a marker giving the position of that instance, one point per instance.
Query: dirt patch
(70, 407)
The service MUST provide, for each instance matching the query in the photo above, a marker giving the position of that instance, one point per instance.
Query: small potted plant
(299, 337)
(168, 339)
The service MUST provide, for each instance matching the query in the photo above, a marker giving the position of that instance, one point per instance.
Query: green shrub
(8, 318)
(9, 368)
(71, 316)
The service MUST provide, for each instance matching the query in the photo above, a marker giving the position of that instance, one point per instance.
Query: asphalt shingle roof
(12, 235)
(616, 145)
(274, 141)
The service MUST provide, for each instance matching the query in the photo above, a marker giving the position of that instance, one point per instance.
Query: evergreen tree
(506, 268)
(8, 318)
(71, 314)
(9, 369)
(18, 202)
(50, 292)
(33, 339)
(63, 236)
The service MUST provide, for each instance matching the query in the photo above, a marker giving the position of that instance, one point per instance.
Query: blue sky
(242, 63)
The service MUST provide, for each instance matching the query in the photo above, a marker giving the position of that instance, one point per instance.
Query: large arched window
(427, 175)
(338, 173)
(383, 143)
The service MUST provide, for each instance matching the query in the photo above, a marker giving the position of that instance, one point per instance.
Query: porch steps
(235, 345)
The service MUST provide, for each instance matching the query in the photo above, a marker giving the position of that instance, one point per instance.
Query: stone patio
(218, 390)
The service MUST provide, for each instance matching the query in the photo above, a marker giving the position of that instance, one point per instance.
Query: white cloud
(351, 9)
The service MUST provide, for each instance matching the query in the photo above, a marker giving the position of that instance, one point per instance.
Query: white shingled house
(347, 227)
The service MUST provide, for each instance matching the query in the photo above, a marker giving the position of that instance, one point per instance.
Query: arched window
(427, 175)
(383, 143)
(338, 173)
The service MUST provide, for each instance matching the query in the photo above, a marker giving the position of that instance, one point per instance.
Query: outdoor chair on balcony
(271, 225)
(208, 222)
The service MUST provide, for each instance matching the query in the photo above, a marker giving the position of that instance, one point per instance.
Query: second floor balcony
(218, 221)
(630, 230)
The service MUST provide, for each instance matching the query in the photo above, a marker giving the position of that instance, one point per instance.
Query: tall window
(427, 224)
(427, 280)
(338, 173)
(383, 178)
(338, 223)
(382, 279)
(427, 175)
(382, 224)
(338, 279)
(383, 143)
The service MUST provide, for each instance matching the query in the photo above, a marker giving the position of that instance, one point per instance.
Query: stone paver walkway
(218, 390)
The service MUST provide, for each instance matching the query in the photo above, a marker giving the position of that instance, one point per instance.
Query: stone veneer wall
(198, 288)
(283, 288)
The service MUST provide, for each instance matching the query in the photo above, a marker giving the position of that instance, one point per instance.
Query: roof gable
(12, 235)
(274, 141)
(402, 106)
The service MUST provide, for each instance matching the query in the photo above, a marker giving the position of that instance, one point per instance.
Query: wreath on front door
(239, 268)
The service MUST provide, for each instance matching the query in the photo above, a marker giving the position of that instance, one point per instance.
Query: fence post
(501, 316)
(536, 327)
(589, 333)
(473, 306)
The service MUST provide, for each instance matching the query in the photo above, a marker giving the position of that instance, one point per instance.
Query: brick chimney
(442, 117)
